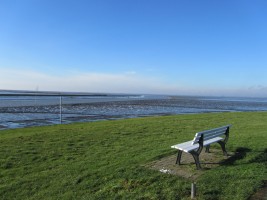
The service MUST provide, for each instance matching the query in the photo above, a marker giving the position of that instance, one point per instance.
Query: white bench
(201, 139)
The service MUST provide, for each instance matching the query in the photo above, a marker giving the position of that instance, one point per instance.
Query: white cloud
(131, 82)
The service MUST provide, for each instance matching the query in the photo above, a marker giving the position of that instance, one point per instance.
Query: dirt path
(187, 169)
(260, 194)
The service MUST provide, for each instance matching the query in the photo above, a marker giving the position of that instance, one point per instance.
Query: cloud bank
(128, 82)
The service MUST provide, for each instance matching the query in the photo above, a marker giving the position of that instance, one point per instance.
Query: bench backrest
(209, 134)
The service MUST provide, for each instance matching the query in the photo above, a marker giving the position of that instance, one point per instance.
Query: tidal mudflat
(25, 111)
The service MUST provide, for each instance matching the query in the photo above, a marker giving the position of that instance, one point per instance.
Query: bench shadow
(239, 154)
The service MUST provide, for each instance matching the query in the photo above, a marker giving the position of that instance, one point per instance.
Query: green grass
(104, 160)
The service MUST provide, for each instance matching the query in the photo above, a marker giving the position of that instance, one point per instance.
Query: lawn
(106, 160)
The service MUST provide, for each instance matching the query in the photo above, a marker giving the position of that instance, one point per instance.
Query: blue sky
(188, 47)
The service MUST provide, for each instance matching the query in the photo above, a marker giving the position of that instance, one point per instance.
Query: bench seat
(188, 147)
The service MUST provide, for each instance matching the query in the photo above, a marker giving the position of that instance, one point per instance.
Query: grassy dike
(105, 160)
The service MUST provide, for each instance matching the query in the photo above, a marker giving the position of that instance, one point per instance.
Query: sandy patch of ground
(187, 169)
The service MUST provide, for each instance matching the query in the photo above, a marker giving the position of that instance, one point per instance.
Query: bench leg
(178, 161)
(207, 149)
(196, 158)
(223, 147)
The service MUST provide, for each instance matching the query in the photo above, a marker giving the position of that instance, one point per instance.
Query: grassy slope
(103, 160)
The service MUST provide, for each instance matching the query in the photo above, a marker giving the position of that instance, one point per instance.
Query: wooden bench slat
(209, 137)
(182, 145)
(213, 140)
(187, 146)
(220, 132)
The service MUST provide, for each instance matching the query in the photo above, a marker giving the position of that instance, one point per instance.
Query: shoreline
(93, 118)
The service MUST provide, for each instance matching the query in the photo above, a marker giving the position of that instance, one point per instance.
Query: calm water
(24, 111)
